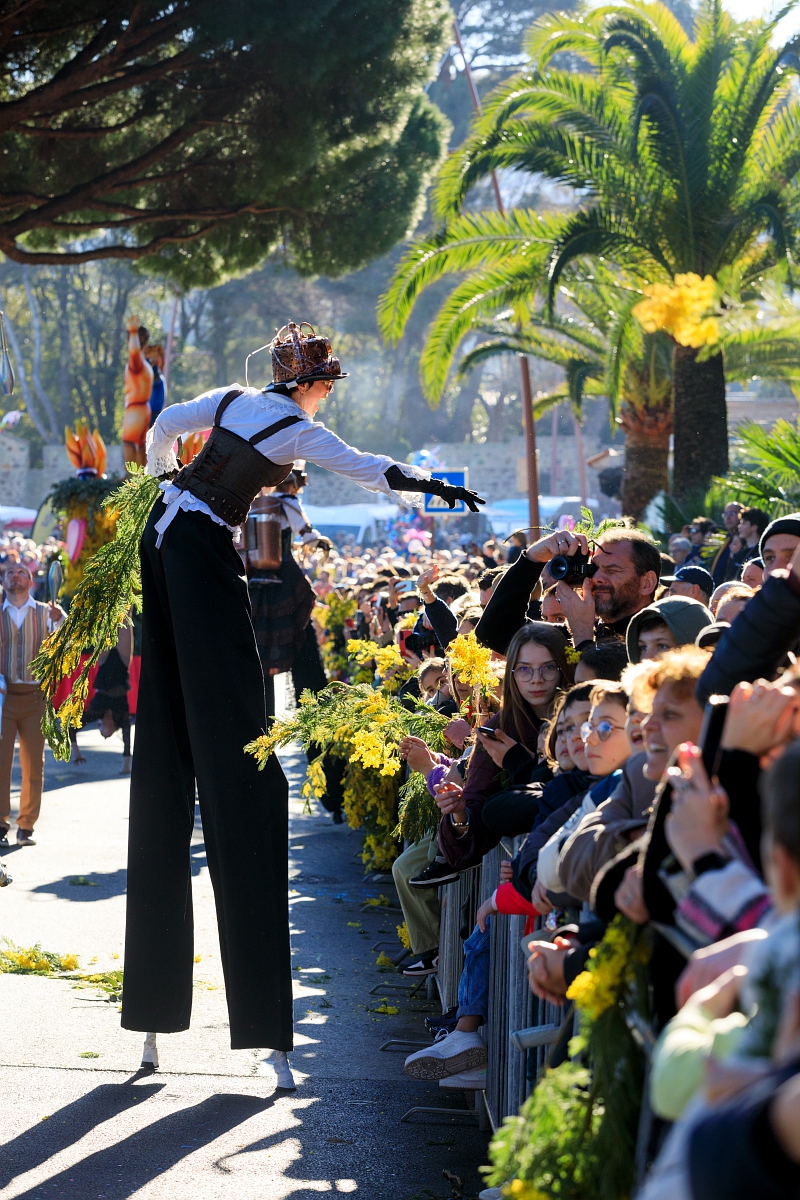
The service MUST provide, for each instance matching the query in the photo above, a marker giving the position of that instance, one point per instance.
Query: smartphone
(488, 732)
(409, 642)
(711, 733)
(405, 586)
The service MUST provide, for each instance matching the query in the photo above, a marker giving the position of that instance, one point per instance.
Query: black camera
(573, 568)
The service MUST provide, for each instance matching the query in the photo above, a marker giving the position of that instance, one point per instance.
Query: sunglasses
(526, 674)
(603, 729)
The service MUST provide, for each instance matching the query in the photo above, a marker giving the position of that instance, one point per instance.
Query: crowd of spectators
(16, 548)
(638, 791)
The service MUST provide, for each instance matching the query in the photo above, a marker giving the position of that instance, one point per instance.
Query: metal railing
(521, 1029)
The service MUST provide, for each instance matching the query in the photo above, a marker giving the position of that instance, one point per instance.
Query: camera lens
(559, 566)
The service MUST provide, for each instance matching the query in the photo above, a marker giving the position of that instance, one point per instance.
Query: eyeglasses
(603, 729)
(526, 674)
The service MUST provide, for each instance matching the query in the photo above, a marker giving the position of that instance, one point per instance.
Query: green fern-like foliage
(769, 476)
(417, 815)
(111, 586)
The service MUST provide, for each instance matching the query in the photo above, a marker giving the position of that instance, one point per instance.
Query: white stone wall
(14, 459)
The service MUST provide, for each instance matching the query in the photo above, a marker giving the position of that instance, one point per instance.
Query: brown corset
(229, 472)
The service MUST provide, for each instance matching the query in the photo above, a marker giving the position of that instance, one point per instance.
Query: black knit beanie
(788, 524)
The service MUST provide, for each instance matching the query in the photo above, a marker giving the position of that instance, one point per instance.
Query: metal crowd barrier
(521, 1029)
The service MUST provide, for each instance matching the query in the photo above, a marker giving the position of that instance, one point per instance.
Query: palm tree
(682, 151)
(602, 352)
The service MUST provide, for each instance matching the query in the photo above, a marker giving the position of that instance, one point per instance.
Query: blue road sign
(435, 504)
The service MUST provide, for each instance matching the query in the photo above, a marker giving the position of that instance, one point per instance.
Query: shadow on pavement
(128, 1165)
(68, 1125)
(97, 885)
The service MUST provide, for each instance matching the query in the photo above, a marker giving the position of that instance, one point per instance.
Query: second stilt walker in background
(283, 598)
(201, 698)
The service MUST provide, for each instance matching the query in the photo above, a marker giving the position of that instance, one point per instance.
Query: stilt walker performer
(201, 698)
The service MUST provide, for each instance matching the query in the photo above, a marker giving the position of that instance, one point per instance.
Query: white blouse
(249, 413)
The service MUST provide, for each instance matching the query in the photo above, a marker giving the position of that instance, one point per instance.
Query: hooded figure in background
(673, 621)
(282, 598)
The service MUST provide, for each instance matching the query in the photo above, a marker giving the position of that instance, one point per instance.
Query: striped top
(20, 646)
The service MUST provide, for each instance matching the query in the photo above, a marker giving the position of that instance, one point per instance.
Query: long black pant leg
(159, 931)
(202, 698)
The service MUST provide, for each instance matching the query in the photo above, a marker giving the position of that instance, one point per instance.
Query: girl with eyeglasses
(536, 668)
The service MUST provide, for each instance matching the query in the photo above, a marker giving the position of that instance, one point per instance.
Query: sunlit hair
(681, 668)
(636, 681)
(516, 714)
(608, 689)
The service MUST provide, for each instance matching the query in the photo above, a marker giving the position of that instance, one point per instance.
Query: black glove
(433, 487)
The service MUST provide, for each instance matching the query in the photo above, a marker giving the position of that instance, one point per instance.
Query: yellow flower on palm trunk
(681, 310)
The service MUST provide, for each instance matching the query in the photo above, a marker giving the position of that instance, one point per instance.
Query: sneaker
(3, 835)
(446, 1021)
(434, 875)
(423, 964)
(455, 1053)
(468, 1081)
(25, 837)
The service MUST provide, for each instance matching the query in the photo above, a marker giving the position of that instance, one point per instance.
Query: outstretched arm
(432, 487)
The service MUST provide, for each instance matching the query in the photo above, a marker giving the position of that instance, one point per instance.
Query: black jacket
(507, 610)
(758, 639)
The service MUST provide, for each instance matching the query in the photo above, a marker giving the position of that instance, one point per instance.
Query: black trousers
(201, 698)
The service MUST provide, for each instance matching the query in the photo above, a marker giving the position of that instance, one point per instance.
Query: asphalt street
(78, 1118)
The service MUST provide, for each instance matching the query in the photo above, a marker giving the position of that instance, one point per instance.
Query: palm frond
(472, 241)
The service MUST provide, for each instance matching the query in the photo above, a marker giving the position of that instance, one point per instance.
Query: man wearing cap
(779, 542)
(695, 582)
(202, 698)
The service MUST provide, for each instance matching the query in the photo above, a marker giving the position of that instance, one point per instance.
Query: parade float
(79, 502)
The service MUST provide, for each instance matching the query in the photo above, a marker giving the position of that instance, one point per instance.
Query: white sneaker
(456, 1052)
(283, 1071)
(468, 1081)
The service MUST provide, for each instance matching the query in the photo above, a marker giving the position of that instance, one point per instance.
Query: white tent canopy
(356, 519)
(16, 518)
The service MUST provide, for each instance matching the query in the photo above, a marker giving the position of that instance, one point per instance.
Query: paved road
(209, 1122)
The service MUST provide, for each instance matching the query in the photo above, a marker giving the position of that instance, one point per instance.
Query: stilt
(280, 1062)
(150, 1053)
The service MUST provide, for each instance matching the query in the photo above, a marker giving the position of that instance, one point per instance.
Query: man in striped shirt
(24, 624)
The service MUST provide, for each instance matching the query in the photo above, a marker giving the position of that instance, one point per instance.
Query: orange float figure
(138, 387)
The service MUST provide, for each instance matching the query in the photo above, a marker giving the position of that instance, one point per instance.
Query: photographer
(619, 580)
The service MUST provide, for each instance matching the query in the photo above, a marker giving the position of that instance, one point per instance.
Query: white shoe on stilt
(150, 1053)
(283, 1071)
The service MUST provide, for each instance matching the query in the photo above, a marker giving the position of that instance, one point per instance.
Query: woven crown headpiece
(301, 358)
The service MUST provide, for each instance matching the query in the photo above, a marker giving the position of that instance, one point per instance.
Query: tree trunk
(701, 422)
(646, 471)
